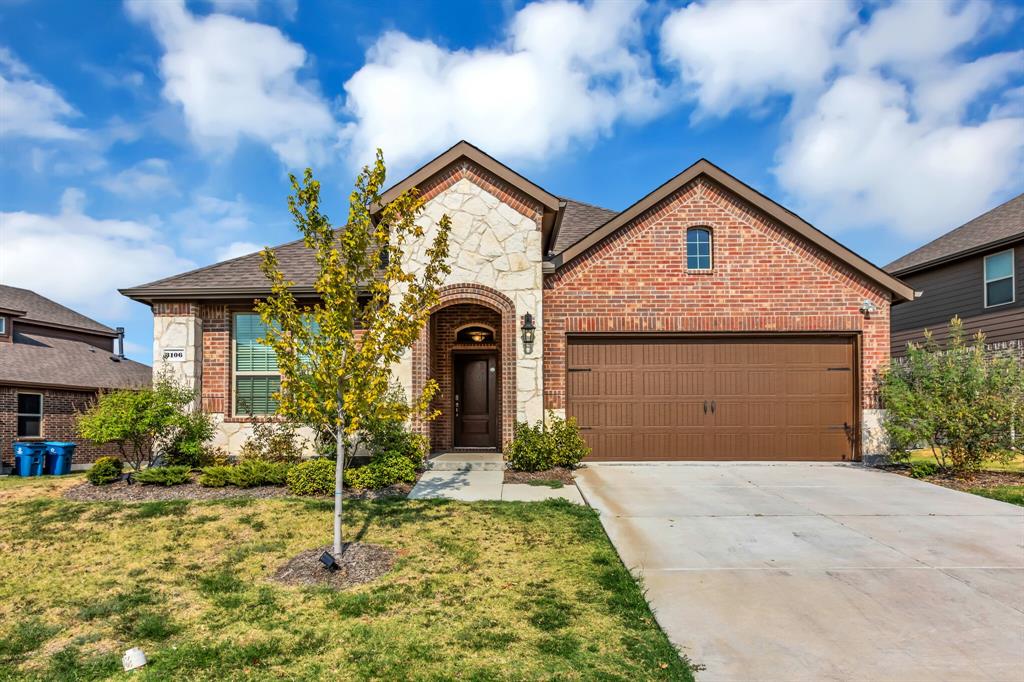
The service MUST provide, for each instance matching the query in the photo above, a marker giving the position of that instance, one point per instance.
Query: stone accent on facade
(177, 326)
(764, 279)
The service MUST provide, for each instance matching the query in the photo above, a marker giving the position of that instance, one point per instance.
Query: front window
(3, 326)
(30, 415)
(698, 248)
(256, 375)
(999, 280)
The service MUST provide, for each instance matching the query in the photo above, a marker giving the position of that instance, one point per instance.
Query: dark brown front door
(476, 395)
(782, 398)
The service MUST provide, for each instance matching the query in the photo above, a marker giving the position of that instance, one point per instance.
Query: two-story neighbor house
(975, 272)
(53, 362)
(705, 321)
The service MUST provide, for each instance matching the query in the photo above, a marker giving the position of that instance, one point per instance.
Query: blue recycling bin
(58, 458)
(28, 458)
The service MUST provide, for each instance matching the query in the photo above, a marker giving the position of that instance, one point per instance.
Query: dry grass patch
(478, 591)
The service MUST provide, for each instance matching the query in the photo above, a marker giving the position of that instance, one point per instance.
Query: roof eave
(959, 255)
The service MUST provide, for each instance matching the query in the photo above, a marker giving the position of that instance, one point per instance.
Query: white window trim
(987, 281)
(711, 248)
(244, 373)
(42, 411)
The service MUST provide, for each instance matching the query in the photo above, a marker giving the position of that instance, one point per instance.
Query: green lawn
(1016, 464)
(480, 591)
(1014, 494)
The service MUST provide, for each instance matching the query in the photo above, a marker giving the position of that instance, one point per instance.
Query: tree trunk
(339, 476)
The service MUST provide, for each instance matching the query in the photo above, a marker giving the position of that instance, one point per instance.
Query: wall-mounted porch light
(868, 308)
(528, 333)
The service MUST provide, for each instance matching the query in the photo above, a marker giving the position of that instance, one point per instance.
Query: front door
(475, 408)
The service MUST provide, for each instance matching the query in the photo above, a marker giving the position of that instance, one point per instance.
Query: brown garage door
(727, 399)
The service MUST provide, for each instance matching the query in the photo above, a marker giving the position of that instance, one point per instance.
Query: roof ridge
(30, 316)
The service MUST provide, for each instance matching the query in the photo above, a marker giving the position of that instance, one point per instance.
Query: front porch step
(466, 461)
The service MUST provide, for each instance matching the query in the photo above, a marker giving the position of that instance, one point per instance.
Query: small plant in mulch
(358, 563)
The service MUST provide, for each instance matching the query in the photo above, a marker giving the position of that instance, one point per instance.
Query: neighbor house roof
(1003, 224)
(39, 360)
(28, 306)
(706, 169)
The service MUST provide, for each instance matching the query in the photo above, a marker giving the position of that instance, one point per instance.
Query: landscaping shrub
(254, 472)
(965, 404)
(923, 469)
(105, 470)
(389, 435)
(188, 447)
(538, 448)
(166, 475)
(216, 476)
(272, 441)
(312, 477)
(383, 470)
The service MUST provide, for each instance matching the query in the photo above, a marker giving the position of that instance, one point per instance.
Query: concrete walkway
(471, 477)
(820, 572)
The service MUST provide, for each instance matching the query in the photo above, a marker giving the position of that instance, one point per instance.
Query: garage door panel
(775, 398)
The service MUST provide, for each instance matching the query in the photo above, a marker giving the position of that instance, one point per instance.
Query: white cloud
(236, 249)
(861, 159)
(30, 107)
(735, 53)
(565, 73)
(211, 221)
(79, 260)
(142, 181)
(237, 79)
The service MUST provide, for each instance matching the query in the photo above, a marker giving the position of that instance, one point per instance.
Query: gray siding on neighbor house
(958, 289)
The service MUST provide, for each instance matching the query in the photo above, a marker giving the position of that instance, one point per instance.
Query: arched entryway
(468, 348)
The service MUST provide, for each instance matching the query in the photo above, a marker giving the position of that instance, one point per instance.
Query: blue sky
(144, 138)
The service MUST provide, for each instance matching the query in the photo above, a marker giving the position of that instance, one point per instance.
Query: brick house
(53, 362)
(705, 321)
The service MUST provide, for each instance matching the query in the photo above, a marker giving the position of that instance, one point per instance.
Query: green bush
(105, 470)
(538, 448)
(923, 469)
(312, 477)
(272, 441)
(216, 476)
(166, 475)
(964, 403)
(188, 447)
(383, 470)
(391, 436)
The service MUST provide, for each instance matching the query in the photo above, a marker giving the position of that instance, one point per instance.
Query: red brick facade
(764, 279)
(60, 410)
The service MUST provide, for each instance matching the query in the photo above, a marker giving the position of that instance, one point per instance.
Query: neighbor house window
(30, 415)
(698, 248)
(256, 375)
(3, 326)
(999, 280)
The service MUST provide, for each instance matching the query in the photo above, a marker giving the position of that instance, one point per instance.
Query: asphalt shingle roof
(579, 219)
(1001, 223)
(38, 359)
(41, 309)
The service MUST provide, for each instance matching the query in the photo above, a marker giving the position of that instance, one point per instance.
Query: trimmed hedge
(385, 469)
(540, 447)
(247, 474)
(105, 470)
(312, 477)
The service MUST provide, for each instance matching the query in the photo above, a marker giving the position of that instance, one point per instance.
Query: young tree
(962, 403)
(335, 355)
(142, 422)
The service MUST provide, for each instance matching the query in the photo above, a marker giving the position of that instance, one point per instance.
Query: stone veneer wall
(495, 243)
(764, 279)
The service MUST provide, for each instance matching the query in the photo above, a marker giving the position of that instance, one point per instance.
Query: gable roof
(39, 360)
(1004, 223)
(463, 149)
(28, 306)
(705, 168)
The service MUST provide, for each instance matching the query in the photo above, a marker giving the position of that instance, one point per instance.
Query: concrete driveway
(820, 572)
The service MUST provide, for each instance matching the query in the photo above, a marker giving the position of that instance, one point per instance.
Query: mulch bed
(981, 479)
(557, 474)
(124, 492)
(359, 563)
